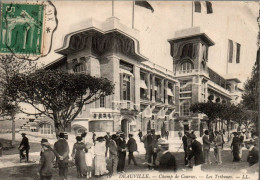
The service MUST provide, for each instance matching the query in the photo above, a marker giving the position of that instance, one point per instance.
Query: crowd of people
(90, 157)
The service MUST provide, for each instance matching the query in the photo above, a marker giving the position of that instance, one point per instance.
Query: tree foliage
(58, 94)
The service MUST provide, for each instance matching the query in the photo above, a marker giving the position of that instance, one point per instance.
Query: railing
(191, 71)
(216, 86)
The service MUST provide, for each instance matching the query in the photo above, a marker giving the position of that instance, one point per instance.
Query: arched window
(79, 68)
(186, 67)
(187, 50)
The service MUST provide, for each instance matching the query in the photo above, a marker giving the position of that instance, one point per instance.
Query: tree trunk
(13, 129)
(228, 131)
(59, 129)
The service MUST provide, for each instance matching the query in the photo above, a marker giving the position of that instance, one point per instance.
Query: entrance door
(124, 126)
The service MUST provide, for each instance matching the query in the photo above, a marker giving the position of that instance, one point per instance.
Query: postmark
(27, 29)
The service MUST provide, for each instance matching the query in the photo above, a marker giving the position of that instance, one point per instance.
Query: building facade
(146, 95)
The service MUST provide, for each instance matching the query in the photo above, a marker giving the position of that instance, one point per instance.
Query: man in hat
(152, 147)
(46, 161)
(107, 138)
(62, 148)
(144, 140)
(253, 156)
(132, 147)
(165, 158)
(113, 153)
(185, 146)
(206, 147)
(24, 146)
(196, 151)
(218, 141)
(121, 145)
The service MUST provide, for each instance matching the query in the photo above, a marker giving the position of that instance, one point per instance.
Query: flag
(207, 4)
(233, 51)
(144, 4)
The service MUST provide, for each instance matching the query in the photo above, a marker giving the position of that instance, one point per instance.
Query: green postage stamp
(27, 29)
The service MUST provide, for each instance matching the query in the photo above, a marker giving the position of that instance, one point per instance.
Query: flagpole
(133, 14)
(112, 8)
(191, 13)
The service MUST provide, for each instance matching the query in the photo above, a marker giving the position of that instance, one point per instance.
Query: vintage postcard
(129, 90)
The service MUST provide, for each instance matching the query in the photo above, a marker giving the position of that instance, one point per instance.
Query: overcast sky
(230, 20)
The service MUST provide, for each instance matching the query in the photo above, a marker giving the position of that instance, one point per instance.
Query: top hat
(23, 134)
(62, 135)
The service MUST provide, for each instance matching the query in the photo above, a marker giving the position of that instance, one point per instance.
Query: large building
(145, 93)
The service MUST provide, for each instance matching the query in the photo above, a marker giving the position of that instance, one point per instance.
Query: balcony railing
(191, 71)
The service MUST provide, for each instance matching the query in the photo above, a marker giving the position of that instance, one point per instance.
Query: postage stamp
(27, 29)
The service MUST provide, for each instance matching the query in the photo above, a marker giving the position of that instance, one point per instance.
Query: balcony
(191, 72)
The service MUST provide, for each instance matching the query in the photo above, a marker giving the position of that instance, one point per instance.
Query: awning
(142, 84)
(169, 92)
(123, 71)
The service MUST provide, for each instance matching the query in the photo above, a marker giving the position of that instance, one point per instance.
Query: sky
(230, 20)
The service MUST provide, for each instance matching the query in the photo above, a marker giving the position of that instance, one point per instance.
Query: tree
(209, 108)
(57, 94)
(9, 66)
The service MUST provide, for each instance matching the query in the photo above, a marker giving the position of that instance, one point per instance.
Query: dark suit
(151, 145)
(121, 144)
(24, 146)
(113, 153)
(46, 164)
(206, 148)
(167, 162)
(107, 138)
(253, 156)
(132, 147)
(185, 148)
(196, 152)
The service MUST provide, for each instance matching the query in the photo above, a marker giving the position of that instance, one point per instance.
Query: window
(185, 108)
(186, 66)
(102, 101)
(185, 85)
(187, 50)
(126, 87)
(79, 68)
(46, 128)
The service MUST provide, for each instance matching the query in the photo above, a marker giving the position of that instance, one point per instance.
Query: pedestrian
(62, 148)
(100, 159)
(144, 140)
(253, 155)
(121, 145)
(140, 134)
(152, 147)
(196, 152)
(180, 134)
(78, 153)
(89, 156)
(167, 134)
(46, 161)
(206, 147)
(24, 146)
(218, 141)
(235, 147)
(185, 146)
(189, 141)
(132, 147)
(94, 137)
(107, 139)
(242, 137)
(113, 153)
(166, 159)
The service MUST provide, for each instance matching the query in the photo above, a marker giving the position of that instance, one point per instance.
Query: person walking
(24, 146)
(242, 137)
(78, 153)
(113, 154)
(185, 147)
(218, 141)
(132, 147)
(180, 134)
(94, 137)
(144, 140)
(206, 147)
(152, 147)
(46, 161)
(62, 148)
(107, 139)
(121, 144)
(196, 152)
(140, 134)
(235, 147)
(100, 160)
(167, 134)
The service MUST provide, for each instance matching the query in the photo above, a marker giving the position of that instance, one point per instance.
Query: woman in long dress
(100, 159)
(78, 153)
(235, 146)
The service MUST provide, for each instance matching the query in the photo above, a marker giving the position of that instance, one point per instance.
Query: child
(89, 158)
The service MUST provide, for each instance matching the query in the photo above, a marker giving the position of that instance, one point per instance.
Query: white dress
(100, 162)
(89, 156)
